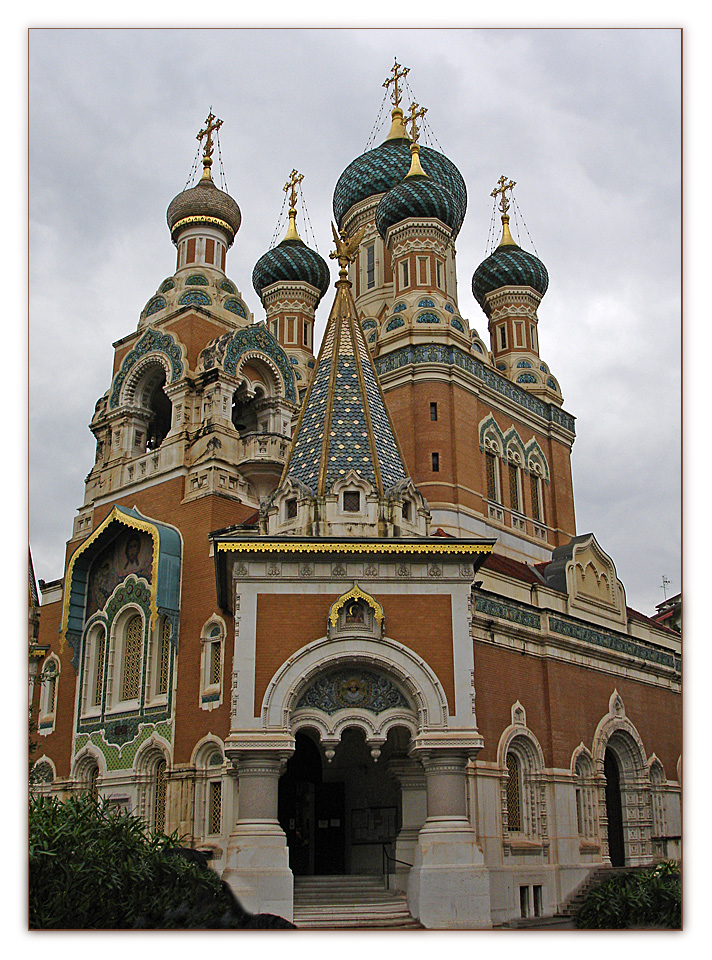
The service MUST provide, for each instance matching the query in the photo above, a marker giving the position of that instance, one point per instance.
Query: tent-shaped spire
(344, 424)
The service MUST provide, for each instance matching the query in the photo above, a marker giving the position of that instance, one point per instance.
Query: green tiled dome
(291, 260)
(417, 197)
(204, 200)
(509, 266)
(379, 170)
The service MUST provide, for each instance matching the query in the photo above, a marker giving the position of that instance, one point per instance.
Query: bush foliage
(640, 898)
(92, 867)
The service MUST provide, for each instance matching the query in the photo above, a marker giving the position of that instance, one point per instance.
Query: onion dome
(379, 170)
(417, 196)
(291, 260)
(509, 266)
(204, 204)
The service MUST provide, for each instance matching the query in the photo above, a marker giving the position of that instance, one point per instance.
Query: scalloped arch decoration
(151, 342)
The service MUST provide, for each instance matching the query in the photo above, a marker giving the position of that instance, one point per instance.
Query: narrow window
(132, 660)
(405, 510)
(513, 487)
(291, 508)
(436, 462)
(579, 813)
(518, 334)
(536, 497)
(164, 652)
(370, 267)
(404, 270)
(438, 274)
(532, 333)
(215, 663)
(159, 797)
(524, 901)
(538, 899)
(94, 783)
(502, 337)
(491, 469)
(433, 411)
(514, 810)
(422, 270)
(352, 501)
(214, 807)
(275, 330)
(100, 647)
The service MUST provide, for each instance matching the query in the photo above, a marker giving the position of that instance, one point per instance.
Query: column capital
(453, 746)
(248, 747)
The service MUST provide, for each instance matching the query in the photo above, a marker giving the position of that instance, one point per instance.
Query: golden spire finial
(416, 112)
(294, 180)
(346, 249)
(397, 131)
(507, 239)
(210, 128)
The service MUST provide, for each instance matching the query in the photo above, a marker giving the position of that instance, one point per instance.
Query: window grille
(159, 800)
(132, 660)
(491, 466)
(215, 807)
(99, 673)
(370, 267)
(215, 662)
(536, 501)
(94, 783)
(51, 694)
(513, 487)
(164, 658)
(291, 508)
(514, 810)
(352, 501)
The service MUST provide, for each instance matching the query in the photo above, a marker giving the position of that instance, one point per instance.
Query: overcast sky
(587, 122)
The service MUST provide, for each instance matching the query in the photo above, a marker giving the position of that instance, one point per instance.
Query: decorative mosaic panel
(311, 364)
(158, 303)
(611, 641)
(196, 280)
(196, 297)
(426, 302)
(453, 356)
(349, 689)
(394, 324)
(167, 285)
(42, 772)
(151, 341)
(526, 378)
(457, 325)
(449, 308)
(368, 324)
(235, 306)
(121, 756)
(372, 337)
(507, 611)
(524, 363)
(294, 361)
(543, 367)
(227, 286)
(550, 383)
(427, 318)
(399, 306)
(258, 338)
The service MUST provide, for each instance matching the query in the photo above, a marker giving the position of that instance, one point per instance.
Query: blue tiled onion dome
(509, 266)
(291, 260)
(417, 197)
(204, 200)
(382, 168)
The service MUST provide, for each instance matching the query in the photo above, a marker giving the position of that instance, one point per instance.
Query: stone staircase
(358, 902)
(574, 901)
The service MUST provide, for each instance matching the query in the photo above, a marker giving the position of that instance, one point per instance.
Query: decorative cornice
(616, 642)
(507, 611)
(360, 546)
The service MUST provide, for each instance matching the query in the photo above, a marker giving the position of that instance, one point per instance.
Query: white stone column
(448, 887)
(257, 860)
(414, 810)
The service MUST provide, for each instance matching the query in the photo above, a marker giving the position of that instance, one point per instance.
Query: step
(349, 902)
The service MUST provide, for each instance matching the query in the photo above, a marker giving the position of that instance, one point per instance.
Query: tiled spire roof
(344, 424)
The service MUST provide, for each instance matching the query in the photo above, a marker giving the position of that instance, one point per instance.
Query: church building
(325, 611)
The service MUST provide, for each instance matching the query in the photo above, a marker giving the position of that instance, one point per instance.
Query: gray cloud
(586, 121)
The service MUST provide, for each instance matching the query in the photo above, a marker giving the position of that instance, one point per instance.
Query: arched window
(48, 695)
(158, 819)
(536, 492)
(585, 793)
(492, 476)
(99, 651)
(212, 662)
(514, 795)
(160, 660)
(131, 672)
(515, 481)
(657, 781)
(94, 783)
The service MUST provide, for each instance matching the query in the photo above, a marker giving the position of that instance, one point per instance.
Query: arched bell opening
(339, 802)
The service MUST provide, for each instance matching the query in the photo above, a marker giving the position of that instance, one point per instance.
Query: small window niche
(351, 501)
(436, 462)
(291, 508)
(433, 411)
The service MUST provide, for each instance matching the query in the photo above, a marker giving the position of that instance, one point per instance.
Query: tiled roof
(344, 423)
(496, 563)
(509, 266)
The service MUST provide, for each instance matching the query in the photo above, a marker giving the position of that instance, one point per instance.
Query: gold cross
(416, 112)
(396, 94)
(210, 128)
(294, 179)
(503, 186)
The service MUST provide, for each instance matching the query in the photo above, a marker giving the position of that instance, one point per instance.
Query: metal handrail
(386, 860)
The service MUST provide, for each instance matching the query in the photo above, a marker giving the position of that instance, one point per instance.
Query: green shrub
(641, 898)
(94, 868)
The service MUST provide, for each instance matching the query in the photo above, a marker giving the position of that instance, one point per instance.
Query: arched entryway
(614, 809)
(339, 813)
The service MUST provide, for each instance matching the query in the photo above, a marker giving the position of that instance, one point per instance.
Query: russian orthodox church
(327, 611)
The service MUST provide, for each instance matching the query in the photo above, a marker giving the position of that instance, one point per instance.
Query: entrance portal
(614, 809)
(338, 816)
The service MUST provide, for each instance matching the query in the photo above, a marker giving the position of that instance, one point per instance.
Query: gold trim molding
(427, 549)
(200, 219)
(355, 593)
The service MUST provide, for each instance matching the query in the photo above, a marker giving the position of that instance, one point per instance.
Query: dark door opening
(614, 809)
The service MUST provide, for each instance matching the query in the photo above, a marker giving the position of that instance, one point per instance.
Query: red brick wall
(564, 704)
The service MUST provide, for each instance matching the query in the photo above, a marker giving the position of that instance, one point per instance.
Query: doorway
(614, 809)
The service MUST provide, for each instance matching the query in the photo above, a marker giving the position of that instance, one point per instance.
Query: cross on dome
(501, 189)
(212, 125)
(396, 93)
